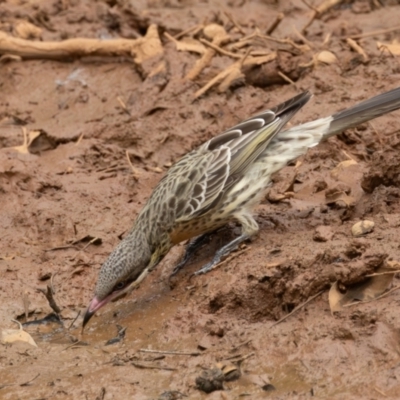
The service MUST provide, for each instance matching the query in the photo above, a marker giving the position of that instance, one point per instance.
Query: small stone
(319, 185)
(362, 228)
(205, 342)
(210, 380)
(260, 380)
(323, 233)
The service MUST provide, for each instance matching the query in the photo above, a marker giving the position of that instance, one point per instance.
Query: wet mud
(68, 197)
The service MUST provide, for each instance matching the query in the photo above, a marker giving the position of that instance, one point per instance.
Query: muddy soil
(69, 200)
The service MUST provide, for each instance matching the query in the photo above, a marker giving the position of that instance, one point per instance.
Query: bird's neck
(153, 234)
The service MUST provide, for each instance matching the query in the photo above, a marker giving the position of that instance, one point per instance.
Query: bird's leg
(249, 228)
(191, 247)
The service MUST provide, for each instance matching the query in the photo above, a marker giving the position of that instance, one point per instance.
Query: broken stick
(141, 49)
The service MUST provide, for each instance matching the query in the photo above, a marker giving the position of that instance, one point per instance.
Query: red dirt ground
(82, 185)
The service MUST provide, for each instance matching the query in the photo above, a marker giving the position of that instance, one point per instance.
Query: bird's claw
(208, 267)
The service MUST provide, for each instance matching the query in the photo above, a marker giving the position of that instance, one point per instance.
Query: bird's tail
(291, 143)
(364, 111)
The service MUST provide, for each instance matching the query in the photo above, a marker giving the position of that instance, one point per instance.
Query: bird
(222, 180)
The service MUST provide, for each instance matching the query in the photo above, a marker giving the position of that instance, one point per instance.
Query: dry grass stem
(220, 50)
(373, 33)
(206, 59)
(286, 78)
(356, 47)
(144, 366)
(382, 273)
(322, 8)
(297, 309)
(302, 37)
(136, 173)
(234, 22)
(276, 23)
(375, 299)
(123, 105)
(49, 296)
(193, 30)
(175, 353)
(310, 6)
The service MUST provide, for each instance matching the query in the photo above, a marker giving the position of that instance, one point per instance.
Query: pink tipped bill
(94, 305)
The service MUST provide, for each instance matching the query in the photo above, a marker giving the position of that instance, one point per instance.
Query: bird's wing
(221, 161)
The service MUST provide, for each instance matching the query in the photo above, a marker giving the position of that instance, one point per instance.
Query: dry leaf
(35, 142)
(190, 44)
(393, 48)
(260, 380)
(370, 289)
(231, 372)
(326, 57)
(17, 335)
(342, 166)
(392, 264)
(341, 197)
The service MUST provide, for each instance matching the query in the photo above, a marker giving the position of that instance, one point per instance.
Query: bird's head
(118, 274)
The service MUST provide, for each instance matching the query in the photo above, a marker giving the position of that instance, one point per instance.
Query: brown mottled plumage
(220, 181)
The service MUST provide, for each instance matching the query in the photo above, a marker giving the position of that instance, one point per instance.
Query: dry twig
(223, 74)
(72, 323)
(142, 48)
(144, 366)
(49, 296)
(309, 5)
(90, 242)
(76, 344)
(302, 37)
(123, 105)
(220, 50)
(275, 24)
(175, 353)
(375, 299)
(296, 309)
(356, 47)
(30, 381)
(373, 33)
(380, 391)
(219, 36)
(382, 273)
(136, 173)
(193, 30)
(234, 22)
(318, 11)
(286, 78)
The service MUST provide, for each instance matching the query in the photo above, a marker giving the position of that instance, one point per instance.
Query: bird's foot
(209, 266)
(190, 250)
(222, 253)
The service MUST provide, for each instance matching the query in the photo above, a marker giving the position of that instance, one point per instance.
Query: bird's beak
(94, 305)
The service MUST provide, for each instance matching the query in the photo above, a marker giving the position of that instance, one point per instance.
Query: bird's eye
(119, 285)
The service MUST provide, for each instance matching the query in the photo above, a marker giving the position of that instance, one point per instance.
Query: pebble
(323, 233)
(362, 228)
